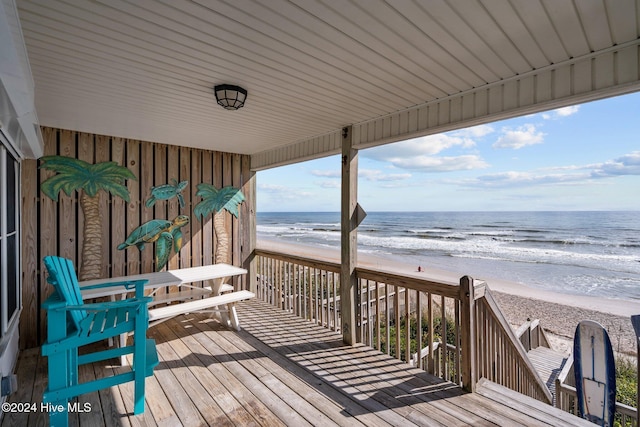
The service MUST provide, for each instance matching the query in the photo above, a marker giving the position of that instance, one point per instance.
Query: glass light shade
(230, 97)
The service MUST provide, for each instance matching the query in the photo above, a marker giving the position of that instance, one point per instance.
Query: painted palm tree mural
(89, 179)
(215, 202)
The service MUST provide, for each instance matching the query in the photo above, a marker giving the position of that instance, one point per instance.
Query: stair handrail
(474, 293)
(532, 335)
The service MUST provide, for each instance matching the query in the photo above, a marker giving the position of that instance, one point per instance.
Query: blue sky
(583, 157)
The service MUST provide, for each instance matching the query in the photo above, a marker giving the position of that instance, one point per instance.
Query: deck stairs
(542, 413)
(548, 363)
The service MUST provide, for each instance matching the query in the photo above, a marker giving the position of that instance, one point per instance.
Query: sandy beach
(559, 313)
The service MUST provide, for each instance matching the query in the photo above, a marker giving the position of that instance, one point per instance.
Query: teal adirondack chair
(72, 324)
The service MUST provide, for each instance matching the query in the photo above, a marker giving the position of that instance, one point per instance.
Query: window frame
(8, 320)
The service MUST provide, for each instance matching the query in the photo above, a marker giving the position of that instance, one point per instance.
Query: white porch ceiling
(394, 69)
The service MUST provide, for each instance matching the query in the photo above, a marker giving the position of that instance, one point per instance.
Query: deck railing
(308, 288)
(567, 397)
(401, 315)
(455, 331)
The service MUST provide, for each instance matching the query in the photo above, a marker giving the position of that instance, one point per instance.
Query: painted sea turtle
(167, 191)
(161, 231)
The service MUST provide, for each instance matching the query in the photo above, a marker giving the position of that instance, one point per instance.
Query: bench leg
(233, 316)
(217, 314)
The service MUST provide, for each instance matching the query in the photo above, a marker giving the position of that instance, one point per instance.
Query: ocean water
(585, 253)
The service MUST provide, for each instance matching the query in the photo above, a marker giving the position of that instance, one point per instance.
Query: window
(9, 238)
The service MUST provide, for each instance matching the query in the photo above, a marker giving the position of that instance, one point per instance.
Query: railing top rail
(447, 289)
(310, 262)
(562, 376)
(523, 328)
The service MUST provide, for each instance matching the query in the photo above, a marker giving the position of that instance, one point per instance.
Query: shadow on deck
(280, 370)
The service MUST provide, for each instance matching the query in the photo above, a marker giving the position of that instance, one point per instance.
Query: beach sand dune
(559, 313)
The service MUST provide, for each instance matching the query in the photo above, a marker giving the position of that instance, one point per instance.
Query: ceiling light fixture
(230, 97)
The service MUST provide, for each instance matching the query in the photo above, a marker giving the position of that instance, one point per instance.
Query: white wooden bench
(218, 294)
(216, 274)
(210, 304)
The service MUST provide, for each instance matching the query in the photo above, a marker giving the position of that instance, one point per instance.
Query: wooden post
(348, 238)
(468, 333)
(249, 221)
(635, 322)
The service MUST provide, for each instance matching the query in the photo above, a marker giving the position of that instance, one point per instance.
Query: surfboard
(595, 373)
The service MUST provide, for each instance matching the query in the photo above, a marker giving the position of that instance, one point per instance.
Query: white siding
(594, 76)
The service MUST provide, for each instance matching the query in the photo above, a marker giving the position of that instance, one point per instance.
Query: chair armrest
(53, 302)
(101, 306)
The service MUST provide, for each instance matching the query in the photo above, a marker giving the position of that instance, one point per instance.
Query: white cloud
(368, 174)
(326, 173)
(518, 179)
(271, 188)
(377, 175)
(328, 184)
(520, 137)
(561, 112)
(440, 164)
(283, 192)
(474, 131)
(420, 154)
(629, 164)
(426, 146)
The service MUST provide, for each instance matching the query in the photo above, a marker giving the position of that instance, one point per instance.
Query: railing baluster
(431, 335)
(289, 287)
(315, 296)
(387, 318)
(276, 284)
(308, 294)
(336, 302)
(272, 282)
(327, 300)
(396, 312)
(443, 336)
(369, 315)
(407, 328)
(457, 369)
(298, 287)
(377, 294)
(419, 363)
(279, 270)
(321, 298)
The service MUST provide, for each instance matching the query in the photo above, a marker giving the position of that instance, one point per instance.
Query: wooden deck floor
(280, 371)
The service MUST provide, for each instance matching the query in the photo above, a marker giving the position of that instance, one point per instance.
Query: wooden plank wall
(56, 228)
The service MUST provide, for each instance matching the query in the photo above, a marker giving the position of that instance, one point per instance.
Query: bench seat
(189, 293)
(229, 300)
